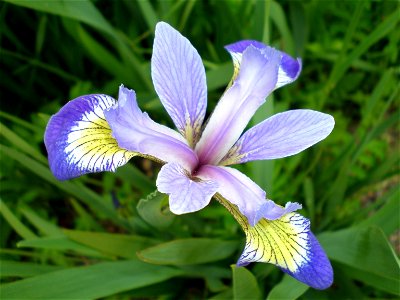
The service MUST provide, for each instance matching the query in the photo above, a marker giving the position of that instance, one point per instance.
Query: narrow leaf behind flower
(189, 251)
(89, 282)
(288, 289)
(245, 284)
(368, 252)
(122, 245)
(154, 210)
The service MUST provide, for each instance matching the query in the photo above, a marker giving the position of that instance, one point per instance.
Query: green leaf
(366, 250)
(278, 17)
(387, 217)
(16, 224)
(78, 190)
(88, 282)
(374, 36)
(219, 77)
(148, 13)
(97, 52)
(288, 289)
(244, 284)
(189, 251)
(61, 243)
(154, 210)
(44, 226)
(10, 268)
(83, 11)
(20, 143)
(121, 245)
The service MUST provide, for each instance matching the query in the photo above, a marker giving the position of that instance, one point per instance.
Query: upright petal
(78, 139)
(289, 68)
(180, 81)
(236, 188)
(135, 131)
(185, 194)
(256, 80)
(288, 243)
(281, 135)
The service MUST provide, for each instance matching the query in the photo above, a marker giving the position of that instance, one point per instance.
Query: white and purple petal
(135, 131)
(237, 188)
(286, 242)
(271, 211)
(180, 81)
(281, 135)
(256, 80)
(186, 194)
(78, 139)
(289, 68)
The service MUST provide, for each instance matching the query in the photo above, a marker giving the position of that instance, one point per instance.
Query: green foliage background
(106, 236)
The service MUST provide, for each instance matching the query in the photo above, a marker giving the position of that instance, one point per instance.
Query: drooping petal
(288, 243)
(185, 194)
(237, 188)
(256, 79)
(289, 68)
(281, 135)
(271, 211)
(78, 139)
(180, 81)
(135, 131)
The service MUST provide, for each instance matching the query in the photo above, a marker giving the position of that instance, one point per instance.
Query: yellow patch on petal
(91, 146)
(283, 242)
(237, 59)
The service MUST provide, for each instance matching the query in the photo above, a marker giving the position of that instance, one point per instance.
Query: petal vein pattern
(180, 81)
(256, 80)
(78, 139)
(286, 242)
(135, 131)
(237, 188)
(186, 194)
(281, 135)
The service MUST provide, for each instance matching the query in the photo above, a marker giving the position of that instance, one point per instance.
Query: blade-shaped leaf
(154, 210)
(88, 282)
(61, 243)
(366, 250)
(288, 289)
(189, 251)
(83, 11)
(9, 268)
(112, 244)
(244, 284)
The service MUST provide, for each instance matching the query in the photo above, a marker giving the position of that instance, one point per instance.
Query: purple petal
(256, 80)
(237, 188)
(288, 243)
(281, 135)
(241, 46)
(272, 211)
(180, 81)
(78, 139)
(135, 131)
(185, 194)
(289, 68)
(317, 272)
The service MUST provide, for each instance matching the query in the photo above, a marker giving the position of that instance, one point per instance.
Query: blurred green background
(105, 236)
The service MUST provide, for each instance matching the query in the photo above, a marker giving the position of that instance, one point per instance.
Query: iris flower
(96, 133)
